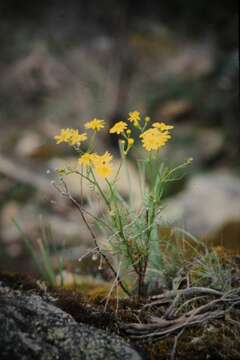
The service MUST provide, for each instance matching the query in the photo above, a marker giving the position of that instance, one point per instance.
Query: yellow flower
(134, 117)
(64, 136)
(105, 158)
(104, 170)
(162, 126)
(130, 141)
(76, 137)
(85, 159)
(95, 124)
(118, 128)
(102, 164)
(70, 136)
(153, 139)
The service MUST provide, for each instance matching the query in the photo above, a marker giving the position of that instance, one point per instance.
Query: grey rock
(209, 201)
(34, 328)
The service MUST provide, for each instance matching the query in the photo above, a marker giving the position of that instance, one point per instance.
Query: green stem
(100, 190)
(120, 228)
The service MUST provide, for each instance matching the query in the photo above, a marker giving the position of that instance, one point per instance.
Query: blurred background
(65, 62)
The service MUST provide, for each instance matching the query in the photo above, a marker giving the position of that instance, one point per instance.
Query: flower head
(76, 137)
(154, 139)
(64, 136)
(118, 128)
(95, 124)
(162, 126)
(102, 164)
(85, 159)
(134, 117)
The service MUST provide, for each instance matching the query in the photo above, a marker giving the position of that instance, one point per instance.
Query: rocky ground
(33, 327)
(46, 323)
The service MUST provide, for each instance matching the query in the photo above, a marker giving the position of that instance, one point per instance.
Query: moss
(82, 310)
(212, 342)
(19, 280)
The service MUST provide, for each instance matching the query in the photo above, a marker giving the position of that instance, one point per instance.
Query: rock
(28, 143)
(32, 327)
(27, 216)
(202, 144)
(227, 237)
(208, 203)
(174, 109)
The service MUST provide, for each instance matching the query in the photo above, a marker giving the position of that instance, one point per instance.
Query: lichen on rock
(32, 327)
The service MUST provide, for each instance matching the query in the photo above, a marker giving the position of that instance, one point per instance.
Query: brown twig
(186, 293)
(160, 327)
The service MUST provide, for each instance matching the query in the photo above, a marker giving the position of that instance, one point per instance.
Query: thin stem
(98, 220)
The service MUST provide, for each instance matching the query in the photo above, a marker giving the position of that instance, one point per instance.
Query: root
(170, 323)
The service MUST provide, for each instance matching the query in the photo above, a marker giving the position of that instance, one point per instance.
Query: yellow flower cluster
(70, 136)
(73, 137)
(152, 138)
(101, 163)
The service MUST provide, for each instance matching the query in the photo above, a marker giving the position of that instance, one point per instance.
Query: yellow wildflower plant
(154, 139)
(131, 227)
(118, 128)
(134, 117)
(64, 136)
(95, 124)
